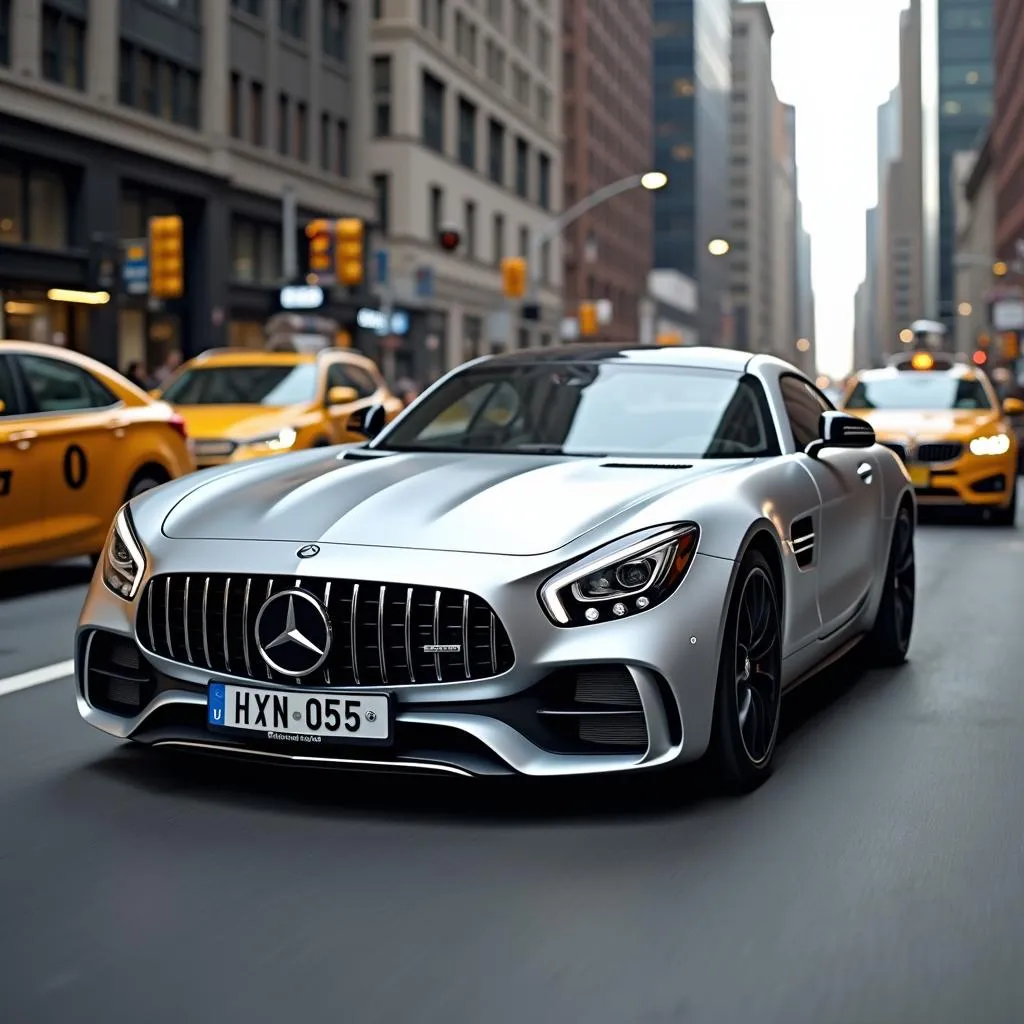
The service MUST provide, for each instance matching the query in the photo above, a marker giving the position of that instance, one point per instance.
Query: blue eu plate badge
(215, 711)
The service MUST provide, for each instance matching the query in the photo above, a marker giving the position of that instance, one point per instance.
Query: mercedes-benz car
(557, 562)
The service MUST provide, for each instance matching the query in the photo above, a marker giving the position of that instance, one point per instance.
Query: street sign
(424, 282)
(135, 267)
(1008, 315)
(380, 267)
(302, 296)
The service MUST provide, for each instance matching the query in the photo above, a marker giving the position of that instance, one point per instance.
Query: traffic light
(588, 318)
(980, 357)
(449, 239)
(166, 257)
(1009, 343)
(350, 255)
(321, 248)
(513, 277)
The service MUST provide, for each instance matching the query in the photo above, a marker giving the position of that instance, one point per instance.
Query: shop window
(47, 210)
(57, 386)
(63, 46)
(255, 252)
(12, 213)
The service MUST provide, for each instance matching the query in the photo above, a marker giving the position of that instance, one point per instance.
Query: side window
(57, 386)
(8, 389)
(362, 381)
(344, 375)
(804, 407)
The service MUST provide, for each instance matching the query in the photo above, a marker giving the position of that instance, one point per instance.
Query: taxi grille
(941, 451)
(379, 630)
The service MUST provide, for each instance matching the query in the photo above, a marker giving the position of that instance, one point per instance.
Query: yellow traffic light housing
(513, 277)
(588, 318)
(166, 257)
(350, 257)
(321, 249)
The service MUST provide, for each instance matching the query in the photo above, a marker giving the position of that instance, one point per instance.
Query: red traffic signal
(980, 358)
(449, 239)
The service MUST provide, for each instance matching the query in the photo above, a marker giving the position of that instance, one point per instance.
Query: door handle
(22, 438)
(865, 472)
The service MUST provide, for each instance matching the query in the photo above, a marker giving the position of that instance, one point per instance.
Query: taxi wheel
(145, 481)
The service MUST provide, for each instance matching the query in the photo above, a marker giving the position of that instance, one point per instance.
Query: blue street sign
(135, 267)
(425, 282)
(381, 260)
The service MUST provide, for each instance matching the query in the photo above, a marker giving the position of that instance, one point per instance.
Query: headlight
(621, 579)
(123, 560)
(280, 441)
(997, 444)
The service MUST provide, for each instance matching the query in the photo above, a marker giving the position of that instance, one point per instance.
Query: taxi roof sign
(922, 361)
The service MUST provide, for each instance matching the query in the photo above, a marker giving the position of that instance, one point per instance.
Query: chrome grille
(941, 451)
(379, 629)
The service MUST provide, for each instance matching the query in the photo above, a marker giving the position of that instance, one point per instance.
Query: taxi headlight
(123, 560)
(281, 441)
(996, 444)
(621, 579)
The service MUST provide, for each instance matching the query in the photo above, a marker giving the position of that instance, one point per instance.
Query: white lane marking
(38, 676)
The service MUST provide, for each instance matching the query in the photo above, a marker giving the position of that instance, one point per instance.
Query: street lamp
(653, 180)
(965, 309)
(718, 247)
(802, 345)
(906, 335)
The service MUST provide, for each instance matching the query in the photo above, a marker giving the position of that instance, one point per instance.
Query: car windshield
(590, 408)
(244, 385)
(924, 391)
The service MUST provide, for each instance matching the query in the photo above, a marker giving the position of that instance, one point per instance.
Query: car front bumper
(665, 659)
(969, 480)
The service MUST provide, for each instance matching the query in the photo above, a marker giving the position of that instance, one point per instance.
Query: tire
(748, 700)
(1006, 516)
(141, 484)
(889, 640)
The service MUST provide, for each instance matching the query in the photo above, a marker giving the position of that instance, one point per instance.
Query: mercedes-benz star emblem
(308, 550)
(293, 633)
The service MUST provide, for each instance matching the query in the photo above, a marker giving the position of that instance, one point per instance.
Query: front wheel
(889, 639)
(748, 703)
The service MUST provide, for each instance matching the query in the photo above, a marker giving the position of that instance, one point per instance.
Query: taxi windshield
(915, 390)
(244, 385)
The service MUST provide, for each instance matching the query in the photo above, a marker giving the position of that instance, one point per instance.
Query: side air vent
(802, 541)
(646, 465)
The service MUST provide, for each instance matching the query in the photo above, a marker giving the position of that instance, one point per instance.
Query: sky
(836, 63)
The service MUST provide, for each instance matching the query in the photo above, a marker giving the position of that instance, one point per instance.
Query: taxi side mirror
(1013, 407)
(369, 422)
(342, 396)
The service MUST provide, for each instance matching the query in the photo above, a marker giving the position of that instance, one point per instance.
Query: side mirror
(342, 396)
(369, 422)
(1013, 407)
(838, 430)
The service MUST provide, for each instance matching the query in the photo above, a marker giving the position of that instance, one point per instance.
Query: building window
(494, 58)
(496, 151)
(496, 12)
(382, 188)
(521, 24)
(301, 131)
(524, 242)
(467, 134)
(334, 29)
(543, 105)
(34, 207)
(255, 252)
(521, 86)
(381, 96)
(378, 9)
(63, 41)
(235, 106)
(5, 33)
(292, 18)
(498, 239)
(436, 211)
(158, 86)
(544, 181)
(522, 168)
(341, 150)
(282, 124)
(465, 38)
(433, 112)
(325, 142)
(545, 263)
(469, 235)
(543, 50)
(256, 136)
(253, 7)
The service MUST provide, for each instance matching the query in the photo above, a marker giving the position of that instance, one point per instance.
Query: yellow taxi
(945, 420)
(242, 404)
(77, 440)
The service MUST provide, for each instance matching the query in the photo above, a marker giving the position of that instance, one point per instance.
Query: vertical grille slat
(381, 632)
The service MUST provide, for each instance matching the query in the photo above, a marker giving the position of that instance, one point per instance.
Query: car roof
(266, 357)
(962, 371)
(689, 356)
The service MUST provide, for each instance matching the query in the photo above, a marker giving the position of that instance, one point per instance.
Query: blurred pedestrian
(136, 373)
(166, 369)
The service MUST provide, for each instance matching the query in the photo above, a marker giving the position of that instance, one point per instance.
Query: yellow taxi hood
(947, 423)
(238, 422)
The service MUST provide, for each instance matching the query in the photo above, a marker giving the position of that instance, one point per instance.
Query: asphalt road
(878, 878)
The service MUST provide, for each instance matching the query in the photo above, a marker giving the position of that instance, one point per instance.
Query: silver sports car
(557, 562)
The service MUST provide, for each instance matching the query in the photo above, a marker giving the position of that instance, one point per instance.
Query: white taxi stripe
(38, 676)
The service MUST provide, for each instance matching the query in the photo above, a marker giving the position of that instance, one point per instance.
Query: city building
(784, 235)
(466, 125)
(607, 67)
(1008, 133)
(975, 225)
(957, 45)
(692, 82)
(861, 327)
(868, 352)
(751, 178)
(805, 306)
(113, 112)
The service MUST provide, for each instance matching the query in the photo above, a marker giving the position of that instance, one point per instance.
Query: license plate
(301, 717)
(920, 476)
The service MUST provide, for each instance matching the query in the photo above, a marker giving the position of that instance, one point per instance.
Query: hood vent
(646, 465)
(360, 455)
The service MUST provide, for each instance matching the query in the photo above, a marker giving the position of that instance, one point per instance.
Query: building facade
(1008, 133)
(784, 235)
(607, 64)
(975, 226)
(692, 82)
(889, 146)
(805, 307)
(466, 129)
(751, 178)
(114, 112)
(870, 351)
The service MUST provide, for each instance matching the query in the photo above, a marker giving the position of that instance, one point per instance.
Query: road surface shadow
(501, 801)
(37, 579)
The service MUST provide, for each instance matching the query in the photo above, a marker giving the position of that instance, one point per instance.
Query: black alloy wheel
(749, 699)
(889, 640)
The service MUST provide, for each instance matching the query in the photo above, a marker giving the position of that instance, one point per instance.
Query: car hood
(236, 422)
(486, 504)
(893, 424)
